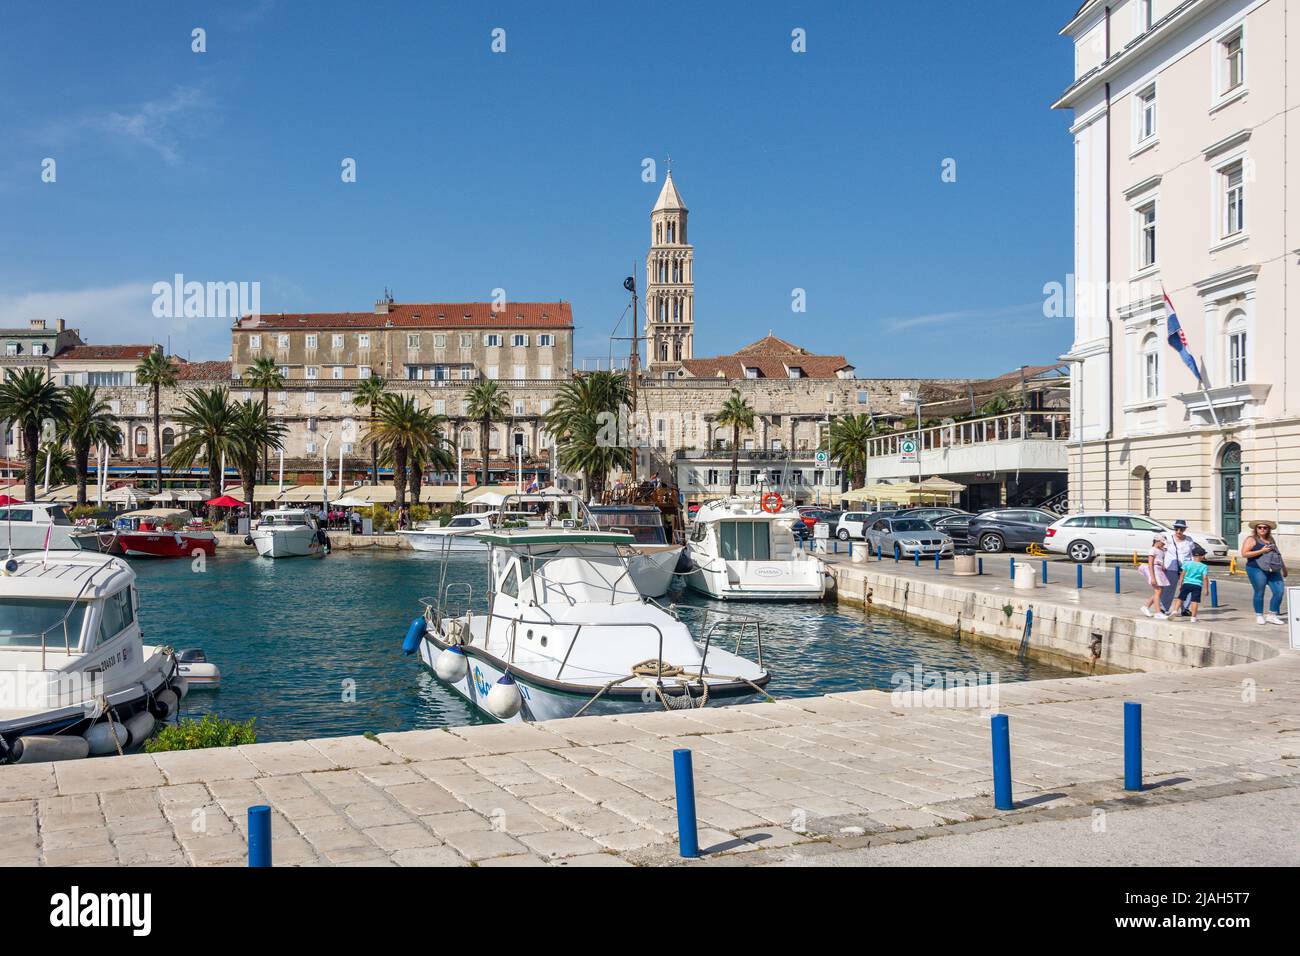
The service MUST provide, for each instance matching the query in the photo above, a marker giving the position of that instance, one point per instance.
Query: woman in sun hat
(1154, 572)
(1265, 568)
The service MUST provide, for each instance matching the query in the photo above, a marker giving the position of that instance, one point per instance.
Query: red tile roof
(421, 315)
(203, 371)
(772, 357)
(80, 353)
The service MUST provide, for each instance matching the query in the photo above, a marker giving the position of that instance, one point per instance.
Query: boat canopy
(174, 515)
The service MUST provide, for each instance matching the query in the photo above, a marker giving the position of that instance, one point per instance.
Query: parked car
(1009, 528)
(955, 527)
(830, 516)
(931, 513)
(905, 537)
(853, 524)
(800, 531)
(1081, 537)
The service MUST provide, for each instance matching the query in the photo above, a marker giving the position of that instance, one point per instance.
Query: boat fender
(248, 539)
(414, 634)
(140, 727)
(181, 686)
(165, 704)
(100, 737)
(504, 699)
(451, 665)
(40, 748)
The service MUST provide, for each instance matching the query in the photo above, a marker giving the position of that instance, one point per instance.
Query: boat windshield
(645, 525)
(284, 520)
(23, 620)
(579, 575)
(464, 522)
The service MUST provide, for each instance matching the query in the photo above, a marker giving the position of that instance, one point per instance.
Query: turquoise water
(312, 648)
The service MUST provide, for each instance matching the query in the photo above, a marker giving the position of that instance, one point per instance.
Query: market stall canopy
(124, 494)
(350, 501)
(942, 485)
(165, 495)
(189, 496)
(878, 492)
(438, 494)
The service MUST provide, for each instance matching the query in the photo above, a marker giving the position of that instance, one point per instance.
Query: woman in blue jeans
(1266, 569)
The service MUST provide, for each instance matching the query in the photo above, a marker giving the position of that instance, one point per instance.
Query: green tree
(583, 418)
(29, 399)
(487, 403)
(737, 413)
(435, 452)
(158, 371)
(266, 375)
(403, 432)
(207, 424)
(368, 393)
(846, 443)
(89, 423)
(252, 432)
(585, 449)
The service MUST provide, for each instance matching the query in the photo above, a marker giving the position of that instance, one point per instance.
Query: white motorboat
(566, 632)
(458, 536)
(26, 526)
(288, 533)
(656, 559)
(741, 551)
(76, 678)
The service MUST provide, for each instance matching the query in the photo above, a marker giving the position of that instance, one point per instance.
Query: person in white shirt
(1178, 551)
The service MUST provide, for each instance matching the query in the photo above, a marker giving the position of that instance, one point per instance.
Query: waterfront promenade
(858, 777)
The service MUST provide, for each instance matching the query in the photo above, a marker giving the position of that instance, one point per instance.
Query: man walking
(1178, 551)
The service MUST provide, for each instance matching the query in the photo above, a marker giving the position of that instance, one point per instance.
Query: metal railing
(1048, 426)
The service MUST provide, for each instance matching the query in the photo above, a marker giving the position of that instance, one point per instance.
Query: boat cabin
(154, 519)
(644, 522)
(561, 568)
(286, 518)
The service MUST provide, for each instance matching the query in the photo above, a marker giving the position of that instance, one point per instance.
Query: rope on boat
(112, 723)
(686, 701)
(600, 693)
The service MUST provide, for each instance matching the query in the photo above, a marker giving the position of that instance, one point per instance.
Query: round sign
(821, 457)
(908, 446)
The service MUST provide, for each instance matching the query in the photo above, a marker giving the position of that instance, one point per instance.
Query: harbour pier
(902, 776)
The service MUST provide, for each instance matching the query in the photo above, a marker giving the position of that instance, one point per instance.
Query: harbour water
(312, 648)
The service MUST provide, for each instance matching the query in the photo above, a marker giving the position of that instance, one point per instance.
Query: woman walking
(1266, 569)
(1154, 572)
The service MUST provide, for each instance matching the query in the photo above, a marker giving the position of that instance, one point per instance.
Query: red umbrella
(5, 501)
(225, 501)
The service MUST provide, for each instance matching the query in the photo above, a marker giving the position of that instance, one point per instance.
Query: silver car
(906, 537)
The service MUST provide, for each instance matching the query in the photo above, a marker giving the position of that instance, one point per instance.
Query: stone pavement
(827, 779)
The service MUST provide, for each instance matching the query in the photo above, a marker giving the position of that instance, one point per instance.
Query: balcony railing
(1017, 426)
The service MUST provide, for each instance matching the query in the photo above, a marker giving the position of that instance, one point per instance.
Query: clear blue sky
(522, 170)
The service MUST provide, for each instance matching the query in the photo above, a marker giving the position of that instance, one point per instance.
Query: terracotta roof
(423, 315)
(105, 352)
(772, 357)
(203, 371)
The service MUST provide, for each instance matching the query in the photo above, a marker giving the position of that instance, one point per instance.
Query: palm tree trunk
(82, 455)
(250, 483)
(735, 457)
(399, 475)
(483, 446)
(157, 435)
(31, 451)
(417, 476)
(374, 454)
(266, 449)
(215, 478)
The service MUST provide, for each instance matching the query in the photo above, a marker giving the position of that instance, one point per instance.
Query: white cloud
(163, 125)
(994, 315)
(119, 315)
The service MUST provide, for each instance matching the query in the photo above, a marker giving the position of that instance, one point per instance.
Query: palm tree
(55, 459)
(401, 428)
(368, 393)
(90, 423)
(264, 374)
(575, 420)
(487, 403)
(846, 443)
(29, 399)
(251, 433)
(737, 413)
(207, 423)
(435, 452)
(158, 370)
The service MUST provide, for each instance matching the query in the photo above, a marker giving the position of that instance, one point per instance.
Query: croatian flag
(533, 485)
(1178, 339)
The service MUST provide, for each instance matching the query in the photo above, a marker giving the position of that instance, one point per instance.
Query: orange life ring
(768, 498)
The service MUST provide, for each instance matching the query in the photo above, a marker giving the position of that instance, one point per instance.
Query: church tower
(670, 281)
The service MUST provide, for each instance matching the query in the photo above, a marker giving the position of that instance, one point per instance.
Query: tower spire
(670, 280)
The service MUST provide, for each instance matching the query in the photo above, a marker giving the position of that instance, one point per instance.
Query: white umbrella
(163, 495)
(348, 501)
(190, 496)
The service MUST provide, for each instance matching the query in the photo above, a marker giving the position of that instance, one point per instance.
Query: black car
(955, 527)
(1005, 529)
(931, 513)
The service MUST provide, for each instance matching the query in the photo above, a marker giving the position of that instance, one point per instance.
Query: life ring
(767, 502)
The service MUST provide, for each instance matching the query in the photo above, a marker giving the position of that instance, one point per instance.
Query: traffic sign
(907, 449)
(821, 458)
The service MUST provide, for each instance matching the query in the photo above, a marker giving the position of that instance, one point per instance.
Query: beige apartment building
(1184, 141)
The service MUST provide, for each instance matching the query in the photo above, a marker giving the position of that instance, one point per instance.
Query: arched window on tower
(663, 351)
(677, 350)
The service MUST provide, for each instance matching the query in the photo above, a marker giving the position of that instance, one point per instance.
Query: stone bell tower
(670, 281)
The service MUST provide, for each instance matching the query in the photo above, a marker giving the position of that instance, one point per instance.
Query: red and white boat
(151, 533)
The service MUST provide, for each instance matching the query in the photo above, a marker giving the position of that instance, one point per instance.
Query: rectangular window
(281, 397)
(1151, 373)
(115, 407)
(363, 340)
(492, 340)
(466, 373)
(1233, 55)
(467, 340)
(284, 371)
(519, 341)
(254, 342)
(311, 448)
(440, 406)
(545, 405)
(745, 540)
(312, 371)
(336, 341)
(1234, 200)
(440, 341)
(311, 341)
(282, 341)
(310, 398)
(141, 407)
(413, 340)
(337, 372)
(1147, 235)
(345, 398)
(1237, 357)
(545, 340)
(1146, 113)
(751, 373)
(492, 371)
(520, 372)
(519, 406)
(363, 371)
(1147, 12)
(544, 372)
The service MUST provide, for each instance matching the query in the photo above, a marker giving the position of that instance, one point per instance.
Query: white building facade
(1183, 145)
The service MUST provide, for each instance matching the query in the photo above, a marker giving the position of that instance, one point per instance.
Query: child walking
(1154, 572)
(1190, 583)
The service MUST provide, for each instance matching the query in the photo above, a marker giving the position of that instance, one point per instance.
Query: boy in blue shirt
(1190, 582)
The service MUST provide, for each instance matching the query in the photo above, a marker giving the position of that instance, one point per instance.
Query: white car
(1081, 537)
(853, 524)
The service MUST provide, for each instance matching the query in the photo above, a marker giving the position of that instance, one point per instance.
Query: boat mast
(630, 285)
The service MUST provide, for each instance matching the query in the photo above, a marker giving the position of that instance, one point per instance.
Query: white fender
(38, 749)
(100, 737)
(451, 665)
(504, 700)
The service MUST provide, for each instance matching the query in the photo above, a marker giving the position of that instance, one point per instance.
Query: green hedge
(211, 731)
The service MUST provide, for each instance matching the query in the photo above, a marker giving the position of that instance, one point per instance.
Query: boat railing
(713, 622)
(446, 605)
(63, 623)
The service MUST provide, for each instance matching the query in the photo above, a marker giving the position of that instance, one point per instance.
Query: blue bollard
(836, 545)
(880, 553)
(896, 553)
(916, 558)
(979, 566)
(1002, 762)
(1132, 745)
(688, 837)
(1078, 576)
(1044, 572)
(1013, 567)
(259, 836)
(1214, 594)
(936, 560)
(1117, 591)
(850, 547)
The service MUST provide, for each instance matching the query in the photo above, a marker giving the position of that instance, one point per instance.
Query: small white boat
(76, 678)
(567, 633)
(741, 551)
(198, 671)
(288, 533)
(458, 536)
(656, 559)
(25, 526)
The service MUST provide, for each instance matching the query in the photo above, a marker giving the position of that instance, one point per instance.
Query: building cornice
(1228, 142)
(1151, 182)
(1228, 279)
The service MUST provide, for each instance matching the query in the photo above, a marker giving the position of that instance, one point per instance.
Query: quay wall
(339, 541)
(1082, 639)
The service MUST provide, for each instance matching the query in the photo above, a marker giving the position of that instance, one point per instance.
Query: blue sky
(522, 170)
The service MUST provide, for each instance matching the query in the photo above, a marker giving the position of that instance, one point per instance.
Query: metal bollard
(1117, 591)
(259, 836)
(936, 560)
(688, 837)
(979, 565)
(1044, 572)
(880, 553)
(1002, 762)
(896, 554)
(1132, 745)
(850, 547)
(1013, 567)
(1078, 576)
(1214, 594)
(916, 558)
